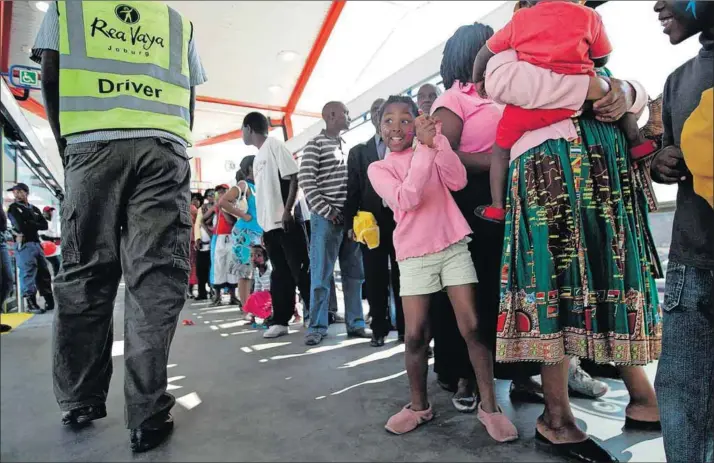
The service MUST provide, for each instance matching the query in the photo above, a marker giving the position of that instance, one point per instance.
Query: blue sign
(25, 77)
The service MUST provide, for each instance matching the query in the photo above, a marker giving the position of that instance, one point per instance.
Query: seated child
(260, 303)
(567, 38)
(431, 242)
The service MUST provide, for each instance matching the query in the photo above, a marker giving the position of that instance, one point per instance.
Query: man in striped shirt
(323, 178)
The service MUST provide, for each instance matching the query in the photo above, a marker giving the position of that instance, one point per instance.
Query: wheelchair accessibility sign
(25, 77)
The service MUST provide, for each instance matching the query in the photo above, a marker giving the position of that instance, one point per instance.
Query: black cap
(20, 186)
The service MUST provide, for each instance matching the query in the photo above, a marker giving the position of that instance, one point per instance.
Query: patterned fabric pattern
(579, 261)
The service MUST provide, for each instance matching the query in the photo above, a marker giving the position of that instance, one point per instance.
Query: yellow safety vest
(123, 65)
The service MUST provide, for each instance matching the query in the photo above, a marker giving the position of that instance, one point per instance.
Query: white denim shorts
(433, 272)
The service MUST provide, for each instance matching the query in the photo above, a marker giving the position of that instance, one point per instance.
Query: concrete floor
(243, 398)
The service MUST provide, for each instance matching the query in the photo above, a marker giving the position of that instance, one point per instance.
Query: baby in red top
(567, 38)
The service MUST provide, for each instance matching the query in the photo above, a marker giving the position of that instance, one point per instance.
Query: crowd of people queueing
(512, 218)
(529, 261)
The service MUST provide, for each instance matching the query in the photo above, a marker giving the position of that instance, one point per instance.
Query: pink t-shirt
(417, 185)
(480, 117)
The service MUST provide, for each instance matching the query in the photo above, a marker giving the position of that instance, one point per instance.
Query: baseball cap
(20, 186)
(48, 209)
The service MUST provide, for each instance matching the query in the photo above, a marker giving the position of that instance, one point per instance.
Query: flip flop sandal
(642, 151)
(187, 323)
(490, 213)
(465, 404)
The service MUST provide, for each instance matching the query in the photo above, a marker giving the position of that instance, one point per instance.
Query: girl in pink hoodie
(431, 241)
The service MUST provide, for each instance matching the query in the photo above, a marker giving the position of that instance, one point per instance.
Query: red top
(223, 227)
(557, 35)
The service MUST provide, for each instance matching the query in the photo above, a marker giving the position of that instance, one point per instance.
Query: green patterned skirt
(579, 262)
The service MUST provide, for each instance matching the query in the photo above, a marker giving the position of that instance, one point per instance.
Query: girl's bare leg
(463, 299)
(417, 338)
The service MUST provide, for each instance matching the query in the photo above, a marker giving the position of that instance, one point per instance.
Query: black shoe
(447, 384)
(84, 415)
(637, 425)
(602, 370)
(49, 302)
(5, 328)
(32, 306)
(215, 302)
(333, 318)
(359, 333)
(400, 338)
(526, 392)
(588, 450)
(377, 341)
(149, 436)
(235, 301)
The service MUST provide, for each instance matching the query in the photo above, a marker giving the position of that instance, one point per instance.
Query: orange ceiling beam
(5, 23)
(245, 104)
(328, 25)
(333, 14)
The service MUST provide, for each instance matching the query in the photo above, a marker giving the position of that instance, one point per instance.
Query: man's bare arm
(51, 94)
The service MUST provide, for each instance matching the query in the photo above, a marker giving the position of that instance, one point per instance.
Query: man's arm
(307, 180)
(17, 221)
(39, 220)
(51, 95)
(192, 105)
(354, 186)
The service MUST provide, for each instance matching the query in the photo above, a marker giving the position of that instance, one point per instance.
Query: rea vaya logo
(134, 36)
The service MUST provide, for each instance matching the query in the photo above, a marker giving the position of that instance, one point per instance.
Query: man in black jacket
(377, 262)
(27, 220)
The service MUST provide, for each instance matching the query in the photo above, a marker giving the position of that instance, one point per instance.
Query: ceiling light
(287, 55)
(275, 89)
(42, 6)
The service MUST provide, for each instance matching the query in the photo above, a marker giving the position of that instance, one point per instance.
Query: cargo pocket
(180, 251)
(70, 242)
(673, 286)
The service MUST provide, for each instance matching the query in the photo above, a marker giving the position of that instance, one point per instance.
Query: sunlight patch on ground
(380, 355)
(320, 349)
(189, 401)
(117, 348)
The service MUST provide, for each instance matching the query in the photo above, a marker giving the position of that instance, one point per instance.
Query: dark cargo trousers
(126, 210)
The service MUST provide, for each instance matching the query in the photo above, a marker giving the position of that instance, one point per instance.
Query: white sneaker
(584, 384)
(275, 331)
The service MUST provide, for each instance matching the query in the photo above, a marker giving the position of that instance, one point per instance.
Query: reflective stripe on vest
(123, 65)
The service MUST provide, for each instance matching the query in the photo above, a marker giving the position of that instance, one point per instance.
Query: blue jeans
(685, 374)
(7, 278)
(34, 272)
(327, 243)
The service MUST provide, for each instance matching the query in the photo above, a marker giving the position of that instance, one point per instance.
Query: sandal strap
(644, 149)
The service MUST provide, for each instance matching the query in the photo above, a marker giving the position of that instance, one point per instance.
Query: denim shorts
(433, 272)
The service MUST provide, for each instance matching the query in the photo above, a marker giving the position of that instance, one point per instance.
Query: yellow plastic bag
(366, 229)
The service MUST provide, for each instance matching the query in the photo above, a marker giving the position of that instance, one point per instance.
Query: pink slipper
(499, 427)
(408, 420)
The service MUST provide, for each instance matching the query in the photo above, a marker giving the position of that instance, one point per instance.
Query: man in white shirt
(276, 186)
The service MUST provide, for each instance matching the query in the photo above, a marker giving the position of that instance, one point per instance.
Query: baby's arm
(481, 62)
(500, 41)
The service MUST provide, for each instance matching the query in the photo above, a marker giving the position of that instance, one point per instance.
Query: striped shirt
(262, 282)
(323, 175)
(48, 39)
